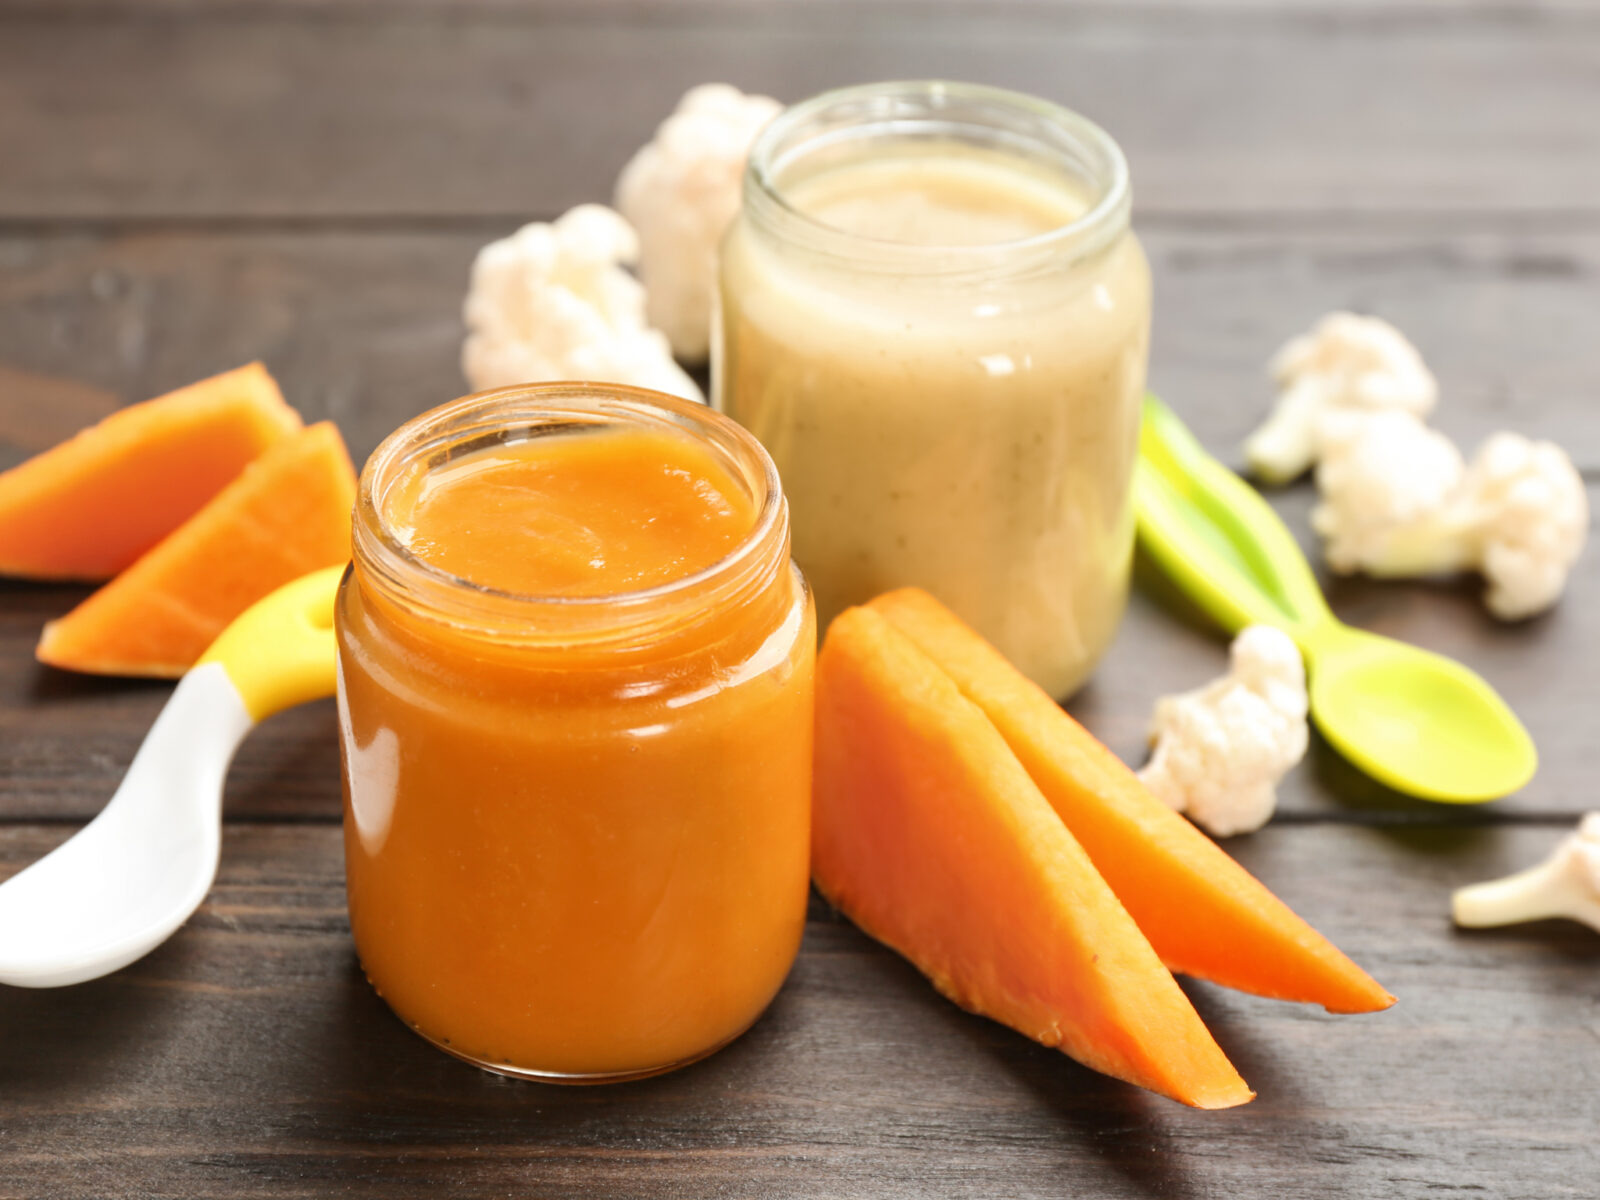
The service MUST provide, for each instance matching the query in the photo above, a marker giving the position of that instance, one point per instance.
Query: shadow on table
(288, 767)
(1558, 941)
(1157, 586)
(382, 1082)
(77, 1038)
(1363, 797)
(858, 1070)
(51, 685)
(1128, 1130)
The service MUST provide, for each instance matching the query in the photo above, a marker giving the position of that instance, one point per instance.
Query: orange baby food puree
(574, 516)
(575, 691)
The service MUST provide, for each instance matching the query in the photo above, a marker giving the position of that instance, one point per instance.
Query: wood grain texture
(249, 1057)
(65, 740)
(190, 184)
(426, 109)
(1371, 13)
(365, 327)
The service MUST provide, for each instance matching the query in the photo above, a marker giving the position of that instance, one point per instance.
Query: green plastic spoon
(1417, 721)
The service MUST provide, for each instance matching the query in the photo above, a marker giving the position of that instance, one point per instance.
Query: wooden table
(189, 185)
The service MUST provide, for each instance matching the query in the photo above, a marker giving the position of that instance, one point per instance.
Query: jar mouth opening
(511, 414)
(995, 118)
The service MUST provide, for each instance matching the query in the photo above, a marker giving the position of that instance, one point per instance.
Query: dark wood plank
(364, 328)
(357, 111)
(66, 740)
(1373, 14)
(195, 184)
(1502, 319)
(248, 1057)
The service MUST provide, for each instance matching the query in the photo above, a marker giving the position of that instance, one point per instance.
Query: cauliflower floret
(1220, 750)
(681, 191)
(1567, 884)
(1379, 472)
(1347, 362)
(1524, 516)
(1519, 513)
(553, 302)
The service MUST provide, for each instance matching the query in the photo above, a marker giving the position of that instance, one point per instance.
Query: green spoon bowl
(1419, 722)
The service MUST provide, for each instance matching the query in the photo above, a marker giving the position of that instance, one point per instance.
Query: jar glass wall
(933, 314)
(576, 827)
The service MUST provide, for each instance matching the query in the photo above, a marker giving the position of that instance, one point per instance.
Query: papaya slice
(1205, 914)
(288, 513)
(89, 507)
(929, 835)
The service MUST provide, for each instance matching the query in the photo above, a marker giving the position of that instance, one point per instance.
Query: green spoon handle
(1216, 537)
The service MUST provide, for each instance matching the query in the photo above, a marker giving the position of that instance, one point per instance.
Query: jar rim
(481, 419)
(893, 109)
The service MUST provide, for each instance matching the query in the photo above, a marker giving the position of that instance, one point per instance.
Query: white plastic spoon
(124, 883)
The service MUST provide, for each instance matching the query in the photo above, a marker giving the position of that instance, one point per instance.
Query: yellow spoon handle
(280, 652)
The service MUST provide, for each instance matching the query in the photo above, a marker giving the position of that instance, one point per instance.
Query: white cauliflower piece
(1567, 884)
(1519, 513)
(552, 301)
(1379, 472)
(1346, 363)
(1220, 750)
(681, 191)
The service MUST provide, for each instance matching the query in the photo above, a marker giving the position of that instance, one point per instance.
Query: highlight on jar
(575, 696)
(933, 313)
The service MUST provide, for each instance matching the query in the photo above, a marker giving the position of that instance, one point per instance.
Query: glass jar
(576, 827)
(934, 315)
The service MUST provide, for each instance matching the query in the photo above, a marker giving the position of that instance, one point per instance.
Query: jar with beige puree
(935, 317)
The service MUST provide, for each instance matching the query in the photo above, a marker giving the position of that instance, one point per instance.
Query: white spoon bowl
(124, 883)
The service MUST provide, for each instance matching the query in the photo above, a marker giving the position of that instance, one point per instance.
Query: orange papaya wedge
(91, 506)
(288, 513)
(929, 835)
(1204, 913)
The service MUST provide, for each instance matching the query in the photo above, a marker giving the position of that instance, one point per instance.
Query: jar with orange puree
(575, 673)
